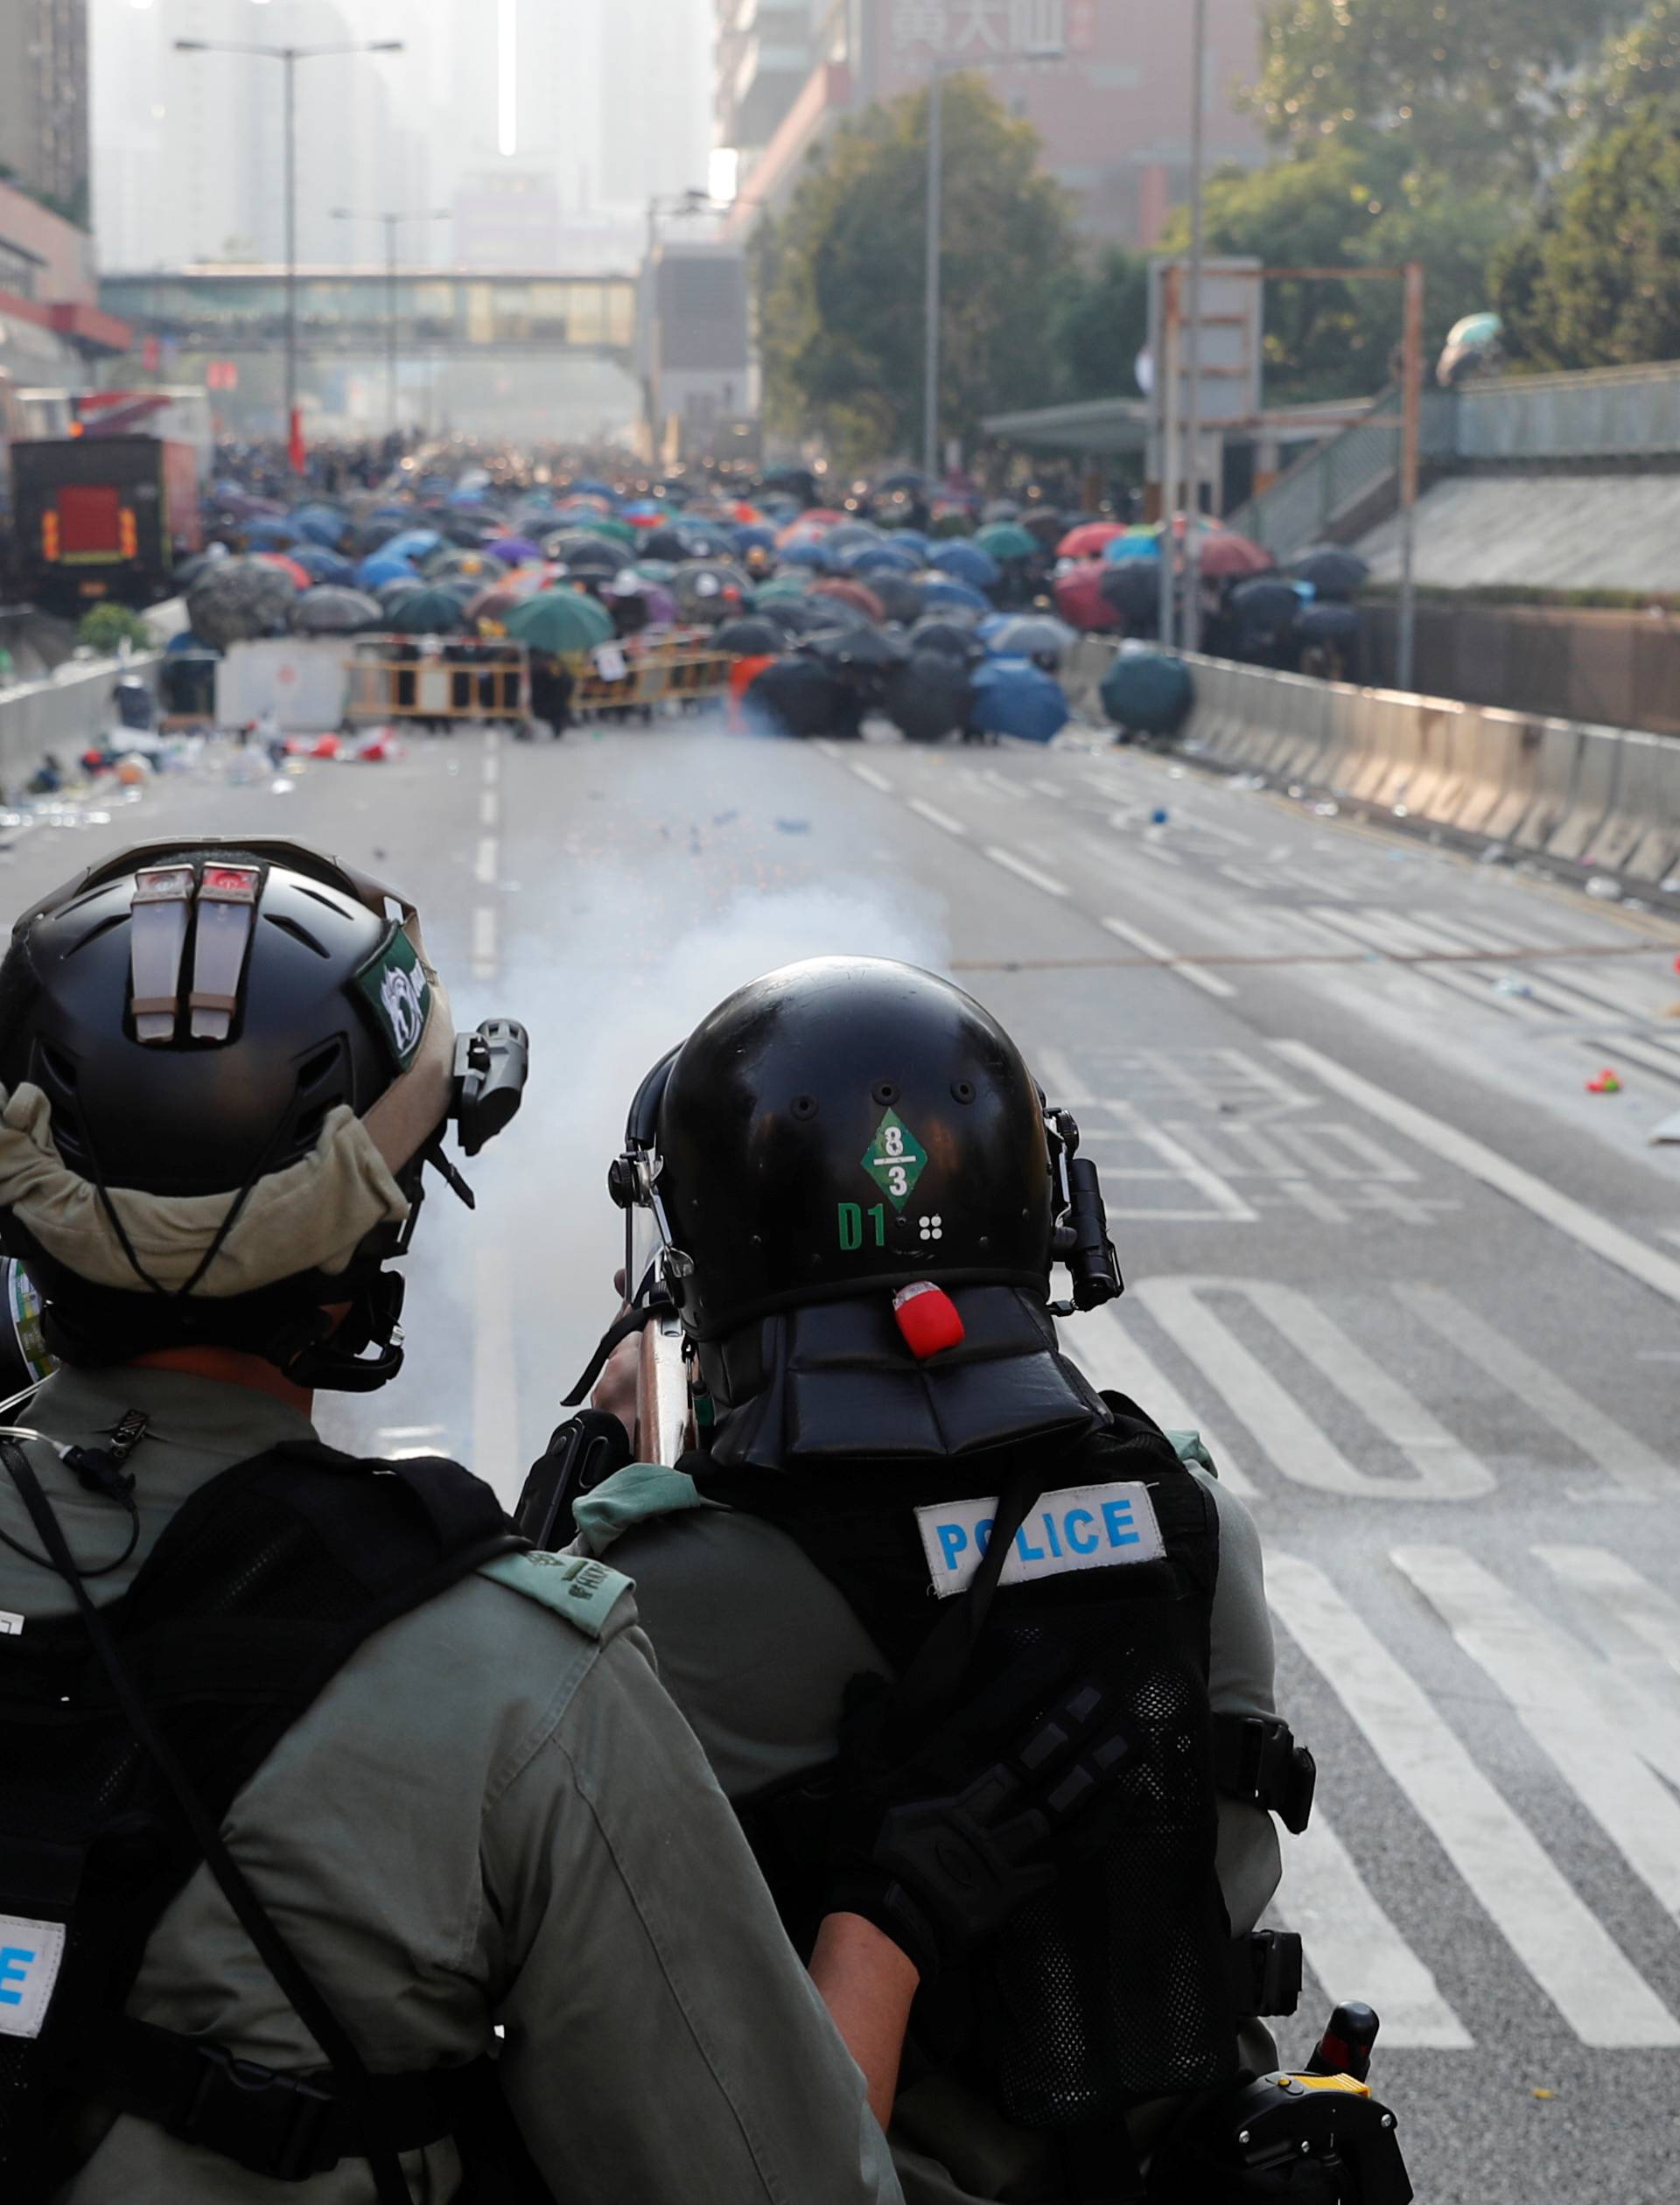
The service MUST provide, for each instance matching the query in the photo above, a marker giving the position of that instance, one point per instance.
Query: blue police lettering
(982, 1535)
(1079, 1545)
(1050, 1534)
(14, 1963)
(1027, 1553)
(953, 1538)
(1116, 1518)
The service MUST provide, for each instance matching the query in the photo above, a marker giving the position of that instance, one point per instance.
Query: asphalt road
(1415, 1283)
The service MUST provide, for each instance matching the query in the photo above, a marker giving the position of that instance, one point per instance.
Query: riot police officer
(859, 1196)
(343, 1843)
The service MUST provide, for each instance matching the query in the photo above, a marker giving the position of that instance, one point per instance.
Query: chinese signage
(955, 28)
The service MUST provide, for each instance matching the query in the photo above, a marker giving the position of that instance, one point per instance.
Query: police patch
(1084, 1528)
(399, 995)
(29, 1955)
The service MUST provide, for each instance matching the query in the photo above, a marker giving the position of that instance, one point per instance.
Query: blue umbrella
(415, 543)
(270, 535)
(806, 555)
(881, 558)
(942, 593)
(319, 524)
(755, 538)
(380, 568)
(994, 623)
(322, 565)
(1012, 696)
(587, 488)
(968, 563)
(1129, 547)
(912, 539)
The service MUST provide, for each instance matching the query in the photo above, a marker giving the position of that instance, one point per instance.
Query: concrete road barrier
(1557, 770)
(1640, 833)
(62, 715)
(1597, 763)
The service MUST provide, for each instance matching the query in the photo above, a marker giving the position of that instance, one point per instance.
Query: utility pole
(1193, 426)
(1411, 423)
(393, 220)
(289, 57)
(934, 305)
(1167, 368)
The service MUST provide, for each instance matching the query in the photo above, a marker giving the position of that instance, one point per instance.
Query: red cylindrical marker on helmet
(929, 1319)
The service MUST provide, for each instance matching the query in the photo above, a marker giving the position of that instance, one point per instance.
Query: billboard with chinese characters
(1114, 112)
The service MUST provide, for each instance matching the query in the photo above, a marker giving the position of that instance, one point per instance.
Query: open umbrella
(1148, 692)
(1080, 601)
(579, 552)
(1088, 541)
(855, 595)
(1007, 541)
(1133, 544)
(331, 611)
(794, 583)
(1012, 696)
(753, 637)
(797, 697)
(382, 567)
(235, 600)
(950, 633)
(474, 566)
(966, 562)
(1266, 606)
(667, 542)
(867, 560)
(270, 535)
(929, 697)
(1330, 623)
(559, 621)
(413, 544)
(322, 565)
(1333, 573)
(659, 570)
(944, 592)
(852, 536)
(1033, 635)
(869, 651)
(797, 616)
(808, 553)
(1132, 589)
(1224, 555)
(902, 597)
(320, 524)
(427, 611)
(711, 590)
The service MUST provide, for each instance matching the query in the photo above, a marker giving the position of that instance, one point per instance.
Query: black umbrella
(951, 634)
(664, 544)
(1264, 607)
(235, 600)
(1133, 588)
(901, 598)
(1327, 623)
(331, 611)
(700, 541)
(929, 696)
(428, 612)
(390, 593)
(582, 553)
(798, 697)
(367, 535)
(755, 637)
(869, 650)
(1333, 572)
(802, 616)
(1047, 523)
(851, 535)
(711, 590)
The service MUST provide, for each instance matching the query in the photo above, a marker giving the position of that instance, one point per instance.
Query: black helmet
(853, 1124)
(223, 1068)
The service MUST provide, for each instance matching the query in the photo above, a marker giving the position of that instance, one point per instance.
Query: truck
(103, 517)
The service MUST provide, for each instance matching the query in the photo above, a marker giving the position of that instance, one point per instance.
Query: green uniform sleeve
(631, 1496)
(585, 1592)
(662, 2039)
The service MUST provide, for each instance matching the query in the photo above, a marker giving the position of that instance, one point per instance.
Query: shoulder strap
(585, 1593)
(636, 1496)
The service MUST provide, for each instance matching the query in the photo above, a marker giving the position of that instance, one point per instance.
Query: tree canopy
(839, 278)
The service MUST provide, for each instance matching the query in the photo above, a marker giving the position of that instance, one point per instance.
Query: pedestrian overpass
(516, 356)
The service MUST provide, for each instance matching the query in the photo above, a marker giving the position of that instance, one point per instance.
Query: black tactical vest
(1124, 1984)
(260, 1589)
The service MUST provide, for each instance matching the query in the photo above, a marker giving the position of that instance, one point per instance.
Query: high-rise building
(44, 100)
(1114, 110)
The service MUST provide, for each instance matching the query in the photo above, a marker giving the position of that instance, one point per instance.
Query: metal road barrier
(495, 684)
(1586, 799)
(678, 675)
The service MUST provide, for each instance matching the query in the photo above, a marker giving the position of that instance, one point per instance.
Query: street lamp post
(933, 279)
(1193, 408)
(393, 221)
(289, 57)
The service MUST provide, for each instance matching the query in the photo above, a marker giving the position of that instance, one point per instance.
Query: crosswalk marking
(1636, 1470)
(1023, 871)
(1443, 1469)
(933, 815)
(1558, 1940)
(1209, 982)
(1354, 1950)
(1107, 1352)
(1620, 1600)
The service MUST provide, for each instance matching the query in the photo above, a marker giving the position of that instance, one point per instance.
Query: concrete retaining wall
(62, 716)
(1596, 799)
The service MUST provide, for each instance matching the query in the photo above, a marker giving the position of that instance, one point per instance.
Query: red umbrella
(1224, 555)
(1089, 540)
(1081, 602)
(854, 594)
(301, 576)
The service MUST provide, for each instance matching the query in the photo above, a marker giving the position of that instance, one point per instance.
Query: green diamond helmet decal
(895, 1159)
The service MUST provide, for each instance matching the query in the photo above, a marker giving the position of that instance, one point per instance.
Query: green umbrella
(614, 531)
(560, 621)
(659, 570)
(795, 582)
(427, 611)
(1006, 541)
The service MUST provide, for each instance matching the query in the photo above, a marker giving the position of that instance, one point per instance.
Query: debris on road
(1605, 1083)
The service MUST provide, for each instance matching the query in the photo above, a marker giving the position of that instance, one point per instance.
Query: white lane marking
(1107, 1350)
(1048, 788)
(934, 817)
(1620, 1600)
(1562, 1212)
(484, 870)
(1549, 1927)
(1443, 1469)
(1391, 937)
(1353, 1947)
(867, 774)
(1029, 874)
(1209, 982)
(1126, 1122)
(484, 943)
(489, 808)
(495, 1419)
(492, 759)
(1244, 877)
(1611, 1743)
(1615, 1452)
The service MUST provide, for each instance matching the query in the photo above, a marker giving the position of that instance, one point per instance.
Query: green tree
(1595, 282)
(838, 280)
(1353, 201)
(1481, 89)
(1101, 325)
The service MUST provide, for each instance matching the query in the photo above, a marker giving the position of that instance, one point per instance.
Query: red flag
(295, 451)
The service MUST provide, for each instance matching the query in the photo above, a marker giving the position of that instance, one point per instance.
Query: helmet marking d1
(846, 1125)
